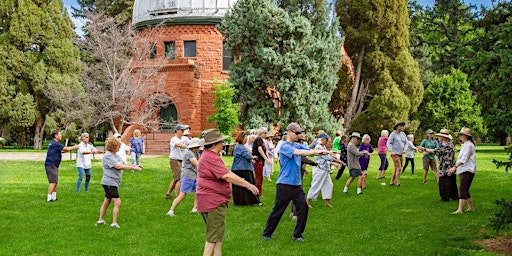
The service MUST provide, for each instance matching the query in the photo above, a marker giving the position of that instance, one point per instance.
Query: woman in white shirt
(466, 169)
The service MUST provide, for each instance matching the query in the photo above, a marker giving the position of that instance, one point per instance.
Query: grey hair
(84, 135)
(262, 130)
(410, 136)
(366, 137)
(384, 133)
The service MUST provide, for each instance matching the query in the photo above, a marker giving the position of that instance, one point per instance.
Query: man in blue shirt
(289, 184)
(52, 162)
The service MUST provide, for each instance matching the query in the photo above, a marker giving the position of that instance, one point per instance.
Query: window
(227, 57)
(168, 117)
(170, 50)
(190, 49)
(152, 51)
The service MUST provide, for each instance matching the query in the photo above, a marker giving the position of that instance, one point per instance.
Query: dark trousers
(383, 162)
(258, 174)
(407, 160)
(340, 172)
(285, 194)
(466, 178)
(448, 188)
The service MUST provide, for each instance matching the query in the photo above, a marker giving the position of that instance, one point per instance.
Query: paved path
(41, 156)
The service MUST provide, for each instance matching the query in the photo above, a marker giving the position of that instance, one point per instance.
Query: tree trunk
(351, 110)
(39, 132)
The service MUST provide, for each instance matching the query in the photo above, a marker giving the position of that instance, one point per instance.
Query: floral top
(446, 155)
(343, 152)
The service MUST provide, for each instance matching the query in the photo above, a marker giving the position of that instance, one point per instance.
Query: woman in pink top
(214, 190)
(383, 140)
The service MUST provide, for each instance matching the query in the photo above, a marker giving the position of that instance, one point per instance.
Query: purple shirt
(364, 160)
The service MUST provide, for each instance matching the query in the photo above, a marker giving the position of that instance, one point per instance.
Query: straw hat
(355, 134)
(465, 131)
(186, 132)
(444, 133)
(195, 143)
(213, 136)
(402, 123)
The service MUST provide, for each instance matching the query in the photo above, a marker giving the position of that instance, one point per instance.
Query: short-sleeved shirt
(136, 144)
(188, 170)
(54, 154)
(84, 160)
(111, 175)
(258, 142)
(353, 155)
(290, 164)
(122, 151)
(364, 160)
(177, 152)
(212, 190)
(430, 144)
(323, 161)
(336, 144)
(382, 145)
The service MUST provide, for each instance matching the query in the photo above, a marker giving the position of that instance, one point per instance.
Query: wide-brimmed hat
(186, 132)
(355, 134)
(465, 131)
(294, 127)
(430, 131)
(195, 143)
(213, 136)
(398, 124)
(180, 127)
(444, 133)
(117, 135)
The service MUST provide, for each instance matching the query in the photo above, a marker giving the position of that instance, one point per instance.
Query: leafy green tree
(39, 66)
(387, 86)
(288, 56)
(449, 103)
(120, 10)
(226, 112)
(490, 66)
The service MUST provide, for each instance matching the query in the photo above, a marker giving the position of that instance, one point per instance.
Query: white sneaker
(171, 214)
(345, 190)
(100, 222)
(114, 225)
(193, 211)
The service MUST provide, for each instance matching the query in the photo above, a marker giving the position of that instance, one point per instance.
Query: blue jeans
(81, 172)
(136, 158)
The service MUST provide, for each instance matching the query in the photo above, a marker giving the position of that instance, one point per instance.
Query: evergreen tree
(387, 82)
(39, 67)
(121, 10)
(226, 115)
(288, 59)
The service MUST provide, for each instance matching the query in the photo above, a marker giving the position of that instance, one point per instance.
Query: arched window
(168, 117)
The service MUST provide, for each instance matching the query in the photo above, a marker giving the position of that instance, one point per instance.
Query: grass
(406, 220)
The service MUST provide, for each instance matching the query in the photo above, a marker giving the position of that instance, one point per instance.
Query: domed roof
(152, 12)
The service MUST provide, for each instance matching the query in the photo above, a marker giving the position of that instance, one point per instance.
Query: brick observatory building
(195, 59)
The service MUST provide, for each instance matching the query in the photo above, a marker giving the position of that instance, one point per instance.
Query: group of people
(197, 166)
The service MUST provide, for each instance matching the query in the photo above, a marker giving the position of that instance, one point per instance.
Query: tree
(288, 56)
(490, 67)
(449, 103)
(120, 10)
(387, 85)
(120, 92)
(226, 112)
(39, 67)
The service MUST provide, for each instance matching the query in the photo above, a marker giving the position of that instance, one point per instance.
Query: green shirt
(336, 144)
(430, 144)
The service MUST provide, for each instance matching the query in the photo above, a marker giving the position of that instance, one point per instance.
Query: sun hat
(355, 134)
(186, 132)
(117, 135)
(270, 135)
(195, 143)
(213, 136)
(180, 127)
(324, 135)
(430, 131)
(444, 133)
(398, 124)
(294, 127)
(465, 131)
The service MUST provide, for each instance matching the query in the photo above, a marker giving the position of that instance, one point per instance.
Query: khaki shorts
(175, 168)
(427, 162)
(397, 161)
(215, 221)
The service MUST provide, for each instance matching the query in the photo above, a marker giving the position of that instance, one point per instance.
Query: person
(321, 173)
(315, 140)
(343, 155)
(113, 167)
(383, 150)
(259, 150)
(123, 149)
(83, 161)
(410, 149)
(268, 168)
(354, 167)
(214, 190)
(278, 147)
(178, 145)
(188, 175)
(465, 167)
(429, 159)
(250, 141)
(336, 142)
(289, 184)
(243, 167)
(396, 145)
(446, 155)
(138, 147)
(364, 160)
(52, 162)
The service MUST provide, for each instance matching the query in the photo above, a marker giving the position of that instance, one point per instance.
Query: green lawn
(385, 220)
